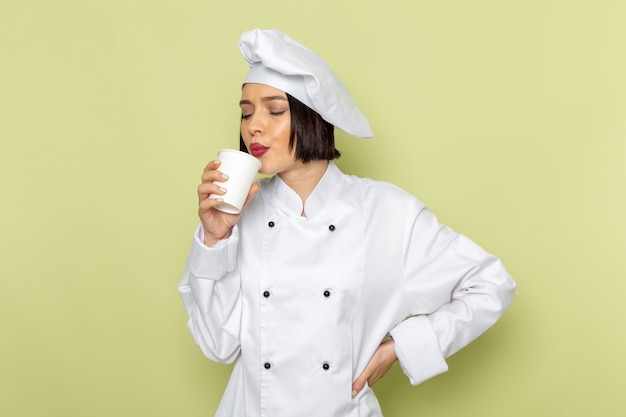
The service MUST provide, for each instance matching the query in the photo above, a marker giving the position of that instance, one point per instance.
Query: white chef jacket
(302, 303)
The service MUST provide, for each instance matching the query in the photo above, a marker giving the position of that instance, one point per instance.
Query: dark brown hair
(315, 136)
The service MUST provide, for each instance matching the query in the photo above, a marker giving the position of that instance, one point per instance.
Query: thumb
(359, 383)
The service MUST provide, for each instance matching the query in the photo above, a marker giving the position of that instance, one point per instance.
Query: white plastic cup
(241, 169)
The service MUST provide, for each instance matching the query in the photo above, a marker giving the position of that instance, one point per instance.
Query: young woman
(325, 279)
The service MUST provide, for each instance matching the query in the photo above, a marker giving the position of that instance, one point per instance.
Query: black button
(271, 224)
(266, 294)
(326, 366)
(267, 365)
(331, 227)
(326, 293)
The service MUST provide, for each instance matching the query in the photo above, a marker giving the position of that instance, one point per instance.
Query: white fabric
(281, 62)
(388, 266)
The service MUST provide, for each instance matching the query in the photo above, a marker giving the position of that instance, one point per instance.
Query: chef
(325, 279)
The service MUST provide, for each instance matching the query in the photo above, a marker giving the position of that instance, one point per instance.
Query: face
(266, 126)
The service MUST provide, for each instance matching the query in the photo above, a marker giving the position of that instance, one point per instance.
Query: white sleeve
(211, 292)
(456, 291)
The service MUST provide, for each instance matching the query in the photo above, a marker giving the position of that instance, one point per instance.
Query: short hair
(315, 136)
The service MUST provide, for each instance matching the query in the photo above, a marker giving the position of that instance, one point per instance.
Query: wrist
(211, 240)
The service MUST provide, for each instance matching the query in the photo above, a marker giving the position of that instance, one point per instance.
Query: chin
(266, 170)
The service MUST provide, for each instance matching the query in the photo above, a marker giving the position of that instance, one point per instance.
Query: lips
(258, 150)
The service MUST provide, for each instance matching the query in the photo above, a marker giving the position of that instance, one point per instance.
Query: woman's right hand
(217, 224)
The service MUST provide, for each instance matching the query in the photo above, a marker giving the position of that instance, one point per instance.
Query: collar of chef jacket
(288, 201)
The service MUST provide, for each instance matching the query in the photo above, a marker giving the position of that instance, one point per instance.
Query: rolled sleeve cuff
(418, 350)
(212, 262)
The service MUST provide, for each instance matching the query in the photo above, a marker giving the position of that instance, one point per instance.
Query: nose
(255, 124)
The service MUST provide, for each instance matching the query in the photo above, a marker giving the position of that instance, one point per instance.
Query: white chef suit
(302, 303)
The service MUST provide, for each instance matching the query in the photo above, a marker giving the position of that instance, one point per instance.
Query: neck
(304, 180)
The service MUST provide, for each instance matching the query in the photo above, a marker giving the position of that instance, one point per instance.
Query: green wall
(508, 118)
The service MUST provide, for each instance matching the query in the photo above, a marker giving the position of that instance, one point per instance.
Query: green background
(507, 118)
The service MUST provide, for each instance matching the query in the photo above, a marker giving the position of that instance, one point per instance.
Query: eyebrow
(264, 99)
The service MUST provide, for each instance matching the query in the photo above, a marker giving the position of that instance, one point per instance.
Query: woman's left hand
(377, 367)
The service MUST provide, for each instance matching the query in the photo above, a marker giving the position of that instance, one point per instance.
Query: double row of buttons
(326, 293)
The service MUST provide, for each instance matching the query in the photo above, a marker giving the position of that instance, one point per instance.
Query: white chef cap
(280, 62)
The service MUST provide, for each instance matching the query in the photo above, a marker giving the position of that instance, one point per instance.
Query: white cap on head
(280, 62)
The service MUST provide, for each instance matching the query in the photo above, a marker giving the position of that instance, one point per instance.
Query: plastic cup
(241, 169)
